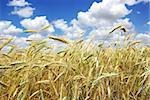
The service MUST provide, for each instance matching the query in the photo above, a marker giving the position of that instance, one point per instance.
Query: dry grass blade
(120, 27)
(146, 73)
(55, 90)
(37, 31)
(12, 47)
(17, 63)
(44, 28)
(41, 95)
(5, 67)
(104, 75)
(59, 39)
(43, 81)
(30, 31)
(133, 43)
(36, 92)
(115, 29)
(5, 43)
(3, 84)
(59, 76)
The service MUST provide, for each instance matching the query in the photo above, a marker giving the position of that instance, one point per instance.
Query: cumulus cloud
(61, 24)
(148, 23)
(8, 30)
(21, 8)
(73, 31)
(23, 12)
(133, 2)
(100, 18)
(20, 42)
(100, 14)
(19, 3)
(96, 22)
(17, 41)
(35, 37)
(143, 38)
(126, 23)
(37, 23)
(103, 13)
(6, 27)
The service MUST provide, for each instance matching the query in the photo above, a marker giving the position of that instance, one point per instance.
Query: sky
(70, 18)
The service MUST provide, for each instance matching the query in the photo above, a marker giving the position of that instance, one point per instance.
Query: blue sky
(68, 9)
(53, 9)
(140, 20)
(71, 16)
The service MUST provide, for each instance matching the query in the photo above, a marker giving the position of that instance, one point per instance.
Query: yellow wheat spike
(46, 27)
(36, 31)
(30, 31)
(5, 43)
(120, 27)
(59, 39)
(133, 43)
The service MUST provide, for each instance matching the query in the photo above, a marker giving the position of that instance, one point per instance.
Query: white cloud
(61, 24)
(35, 37)
(126, 23)
(4, 36)
(23, 12)
(103, 13)
(96, 22)
(101, 34)
(144, 38)
(6, 27)
(19, 3)
(99, 19)
(138, 12)
(37, 23)
(21, 8)
(20, 42)
(148, 23)
(12, 30)
(17, 41)
(73, 31)
(99, 15)
(133, 2)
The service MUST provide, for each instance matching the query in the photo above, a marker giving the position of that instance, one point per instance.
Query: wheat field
(80, 70)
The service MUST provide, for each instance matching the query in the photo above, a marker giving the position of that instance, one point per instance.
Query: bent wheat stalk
(5, 43)
(59, 39)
